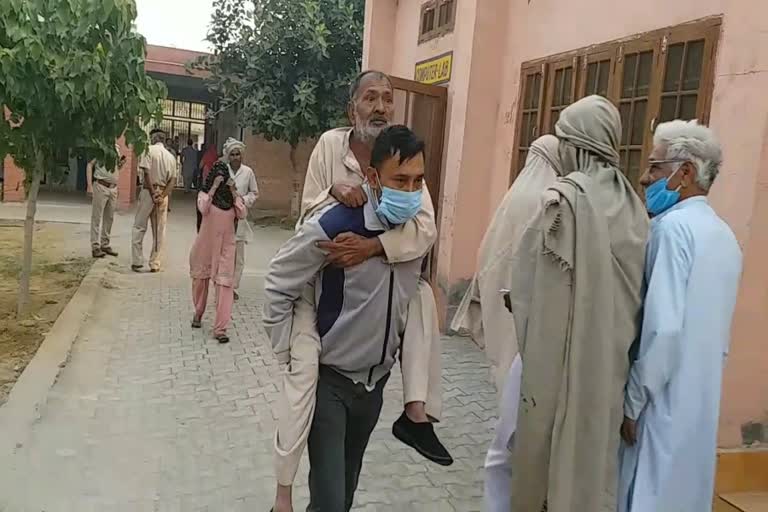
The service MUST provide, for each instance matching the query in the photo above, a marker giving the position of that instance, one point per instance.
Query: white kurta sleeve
(669, 261)
(252, 194)
(498, 462)
(316, 186)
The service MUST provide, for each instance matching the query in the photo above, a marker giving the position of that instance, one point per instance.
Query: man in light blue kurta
(693, 264)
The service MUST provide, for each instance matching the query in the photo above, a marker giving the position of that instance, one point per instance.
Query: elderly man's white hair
(688, 140)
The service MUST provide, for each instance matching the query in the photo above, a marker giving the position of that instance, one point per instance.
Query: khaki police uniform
(104, 190)
(161, 167)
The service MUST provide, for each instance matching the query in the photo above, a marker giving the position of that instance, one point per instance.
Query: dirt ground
(60, 261)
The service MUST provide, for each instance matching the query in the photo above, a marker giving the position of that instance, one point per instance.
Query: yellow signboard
(436, 70)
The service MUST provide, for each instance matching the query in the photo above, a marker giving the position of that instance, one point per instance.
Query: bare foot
(284, 499)
(416, 412)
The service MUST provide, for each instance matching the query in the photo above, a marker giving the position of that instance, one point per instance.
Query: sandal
(222, 338)
(196, 324)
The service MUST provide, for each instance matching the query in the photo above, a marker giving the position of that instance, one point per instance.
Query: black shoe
(197, 324)
(137, 268)
(421, 437)
(109, 251)
(237, 297)
(222, 339)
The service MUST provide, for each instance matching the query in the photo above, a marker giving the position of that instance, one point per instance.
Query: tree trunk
(29, 231)
(297, 188)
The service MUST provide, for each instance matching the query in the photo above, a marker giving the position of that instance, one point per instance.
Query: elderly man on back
(336, 173)
(692, 272)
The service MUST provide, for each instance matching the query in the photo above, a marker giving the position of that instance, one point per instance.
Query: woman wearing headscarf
(245, 182)
(213, 254)
(482, 312)
(576, 295)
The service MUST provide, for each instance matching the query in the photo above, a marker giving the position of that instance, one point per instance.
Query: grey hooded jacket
(361, 311)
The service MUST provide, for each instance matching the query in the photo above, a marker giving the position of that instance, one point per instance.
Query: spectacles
(652, 163)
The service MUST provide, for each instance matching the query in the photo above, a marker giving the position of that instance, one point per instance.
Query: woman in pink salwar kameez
(213, 254)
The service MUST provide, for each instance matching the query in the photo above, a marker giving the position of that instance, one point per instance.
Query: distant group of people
(226, 190)
(218, 254)
(158, 176)
(606, 320)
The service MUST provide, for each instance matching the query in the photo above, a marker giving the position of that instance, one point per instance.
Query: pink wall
(469, 137)
(491, 41)
(13, 182)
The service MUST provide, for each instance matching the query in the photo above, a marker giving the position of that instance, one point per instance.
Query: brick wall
(271, 162)
(126, 184)
(13, 182)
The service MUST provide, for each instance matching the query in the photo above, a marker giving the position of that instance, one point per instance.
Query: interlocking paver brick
(152, 415)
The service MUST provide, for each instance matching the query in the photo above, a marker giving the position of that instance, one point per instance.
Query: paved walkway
(150, 415)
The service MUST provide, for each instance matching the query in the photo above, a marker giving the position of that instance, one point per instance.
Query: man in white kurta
(248, 189)
(692, 274)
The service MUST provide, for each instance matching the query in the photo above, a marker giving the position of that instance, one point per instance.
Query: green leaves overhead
(73, 70)
(286, 63)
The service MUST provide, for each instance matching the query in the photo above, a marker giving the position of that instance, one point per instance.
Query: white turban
(231, 145)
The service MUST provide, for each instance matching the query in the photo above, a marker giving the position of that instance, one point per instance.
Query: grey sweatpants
(345, 416)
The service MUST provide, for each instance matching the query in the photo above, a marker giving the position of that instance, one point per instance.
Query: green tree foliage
(285, 64)
(71, 75)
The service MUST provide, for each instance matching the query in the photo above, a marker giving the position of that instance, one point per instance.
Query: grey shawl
(482, 313)
(576, 298)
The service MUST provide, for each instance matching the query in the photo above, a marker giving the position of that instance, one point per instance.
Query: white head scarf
(230, 145)
(482, 312)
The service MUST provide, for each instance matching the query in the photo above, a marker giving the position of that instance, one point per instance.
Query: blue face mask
(658, 198)
(397, 206)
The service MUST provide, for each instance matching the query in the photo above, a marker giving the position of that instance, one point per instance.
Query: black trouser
(345, 416)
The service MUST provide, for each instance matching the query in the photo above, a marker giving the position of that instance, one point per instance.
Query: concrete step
(742, 502)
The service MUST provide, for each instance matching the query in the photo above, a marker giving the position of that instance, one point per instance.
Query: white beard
(368, 132)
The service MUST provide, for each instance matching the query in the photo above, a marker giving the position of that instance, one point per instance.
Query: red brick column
(126, 183)
(13, 183)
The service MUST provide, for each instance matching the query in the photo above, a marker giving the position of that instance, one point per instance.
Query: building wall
(13, 181)
(469, 136)
(271, 161)
(490, 42)
(126, 181)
